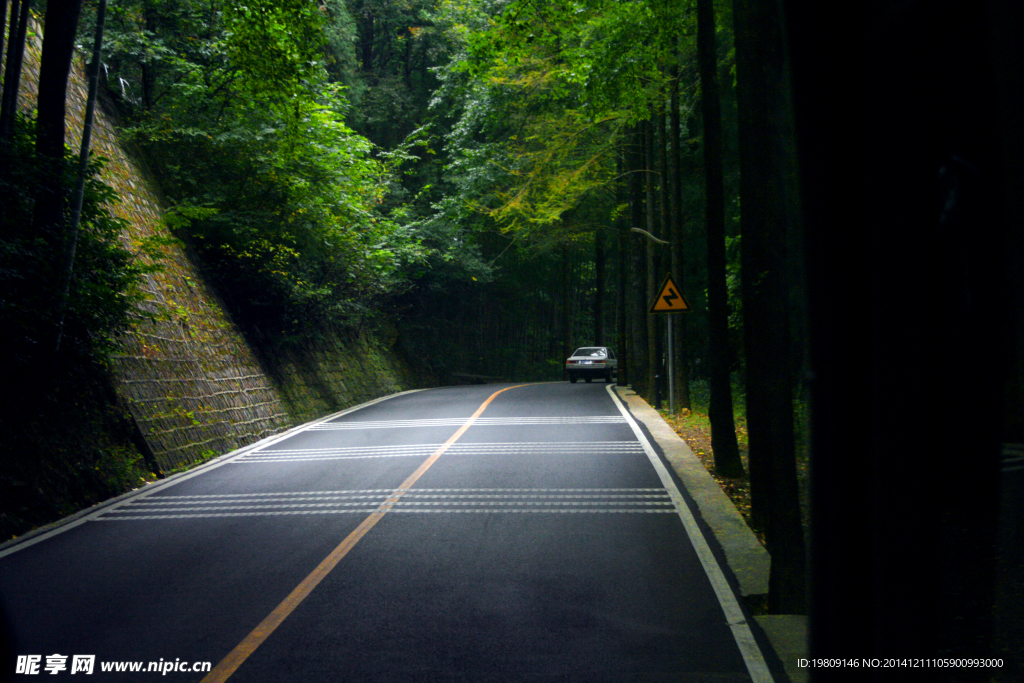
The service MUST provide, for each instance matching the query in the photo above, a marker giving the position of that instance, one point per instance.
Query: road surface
(485, 533)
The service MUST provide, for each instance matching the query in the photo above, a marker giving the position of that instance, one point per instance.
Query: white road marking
(251, 499)
(402, 503)
(363, 452)
(410, 492)
(441, 500)
(397, 510)
(752, 656)
(480, 422)
(174, 480)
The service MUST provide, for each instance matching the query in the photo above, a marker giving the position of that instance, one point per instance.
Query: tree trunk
(54, 68)
(652, 257)
(766, 222)
(622, 327)
(664, 215)
(12, 73)
(599, 287)
(566, 325)
(675, 169)
(77, 197)
(638, 247)
(55, 65)
(665, 264)
(723, 428)
(3, 23)
(366, 43)
(939, 145)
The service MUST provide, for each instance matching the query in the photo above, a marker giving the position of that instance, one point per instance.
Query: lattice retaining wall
(191, 382)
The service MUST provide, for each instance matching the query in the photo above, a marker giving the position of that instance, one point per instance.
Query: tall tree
(723, 428)
(12, 73)
(767, 185)
(943, 214)
(599, 286)
(61, 23)
(640, 359)
(652, 256)
(78, 195)
(675, 183)
(622, 285)
(566, 306)
(3, 22)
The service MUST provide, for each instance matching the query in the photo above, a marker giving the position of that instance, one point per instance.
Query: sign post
(670, 300)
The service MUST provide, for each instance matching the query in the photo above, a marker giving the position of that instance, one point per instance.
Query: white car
(589, 362)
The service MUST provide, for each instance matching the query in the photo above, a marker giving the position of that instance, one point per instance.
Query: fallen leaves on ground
(696, 432)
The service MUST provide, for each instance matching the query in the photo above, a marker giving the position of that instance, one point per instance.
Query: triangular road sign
(670, 298)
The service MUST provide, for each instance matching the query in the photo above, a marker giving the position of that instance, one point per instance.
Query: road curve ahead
(489, 533)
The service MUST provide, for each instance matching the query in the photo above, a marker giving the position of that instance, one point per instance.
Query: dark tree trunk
(622, 328)
(54, 68)
(148, 73)
(914, 387)
(666, 260)
(767, 220)
(3, 23)
(78, 196)
(723, 428)
(147, 79)
(652, 256)
(638, 246)
(675, 169)
(366, 42)
(566, 305)
(664, 215)
(12, 73)
(599, 287)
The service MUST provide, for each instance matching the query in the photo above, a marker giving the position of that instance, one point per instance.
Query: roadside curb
(745, 556)
(53, 528)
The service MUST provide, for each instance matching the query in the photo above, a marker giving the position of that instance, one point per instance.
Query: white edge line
(752, 656)
(84, 516)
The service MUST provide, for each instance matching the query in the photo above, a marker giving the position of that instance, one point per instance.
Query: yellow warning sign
(670, 299)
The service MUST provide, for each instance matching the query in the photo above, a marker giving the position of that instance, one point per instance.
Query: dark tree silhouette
(723, 427)
(768, 218)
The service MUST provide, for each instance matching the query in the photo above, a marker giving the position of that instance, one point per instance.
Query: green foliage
(273, 49)
(105, 290)
(392, 77)
(279, 196)
(66, 441)
(544, 93)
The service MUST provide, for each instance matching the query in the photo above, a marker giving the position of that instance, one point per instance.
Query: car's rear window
(589, 351)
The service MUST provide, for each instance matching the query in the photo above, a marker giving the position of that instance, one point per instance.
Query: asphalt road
(541, 544)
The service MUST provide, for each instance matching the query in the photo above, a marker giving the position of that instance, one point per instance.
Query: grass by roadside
(694, 428)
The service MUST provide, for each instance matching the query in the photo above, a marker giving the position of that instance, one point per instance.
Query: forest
(501, 181)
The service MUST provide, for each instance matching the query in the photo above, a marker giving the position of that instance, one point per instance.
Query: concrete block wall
(337, 374)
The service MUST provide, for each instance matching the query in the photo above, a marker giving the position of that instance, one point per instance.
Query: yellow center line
(234, 659)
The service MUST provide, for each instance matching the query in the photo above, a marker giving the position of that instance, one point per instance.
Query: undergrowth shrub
(67, 442)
